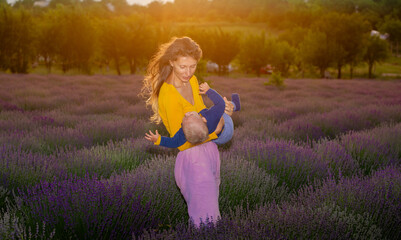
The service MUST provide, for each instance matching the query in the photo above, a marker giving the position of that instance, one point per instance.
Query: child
(196, 127)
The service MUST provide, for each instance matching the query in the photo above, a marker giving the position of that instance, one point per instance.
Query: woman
(173, 90)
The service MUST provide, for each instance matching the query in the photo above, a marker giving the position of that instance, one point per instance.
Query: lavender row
(13, 220)
(315, 125)
(243, 184)
(280, 222)
(361, 152)
(374, 148)
(378, 195)
(352, 208)
(306, 109)
(293, 164)
(359, 207)
(87, 208)
(19, 167)
(353, 153)
(318, 95)
(47, 134)
(157, 187)
(146, 198)
(331, 124)
(78, 95)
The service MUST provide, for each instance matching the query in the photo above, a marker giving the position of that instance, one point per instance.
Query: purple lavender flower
(294, 165)
(378, 195)
(87, 208)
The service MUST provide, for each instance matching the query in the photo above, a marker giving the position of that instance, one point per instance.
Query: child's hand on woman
(203, 88)
(152, 137)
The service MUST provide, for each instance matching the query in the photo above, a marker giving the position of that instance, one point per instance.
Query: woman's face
(184, 68)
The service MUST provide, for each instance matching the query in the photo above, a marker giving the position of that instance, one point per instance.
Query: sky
(140, 2)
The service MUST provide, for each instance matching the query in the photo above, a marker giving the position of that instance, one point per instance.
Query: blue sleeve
(214, 113)
(216, 98)
(177, 140)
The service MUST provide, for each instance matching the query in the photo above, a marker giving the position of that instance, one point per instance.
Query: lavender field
(319, 159)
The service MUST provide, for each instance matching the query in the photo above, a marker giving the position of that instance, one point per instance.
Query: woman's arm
(229, 107)
(219, 126)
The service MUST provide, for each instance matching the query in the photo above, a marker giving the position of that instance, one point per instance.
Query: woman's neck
(177, 83)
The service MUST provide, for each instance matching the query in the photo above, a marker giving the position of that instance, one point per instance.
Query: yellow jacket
(172, 108)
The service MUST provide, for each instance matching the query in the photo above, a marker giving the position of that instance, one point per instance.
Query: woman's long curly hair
(159, 69)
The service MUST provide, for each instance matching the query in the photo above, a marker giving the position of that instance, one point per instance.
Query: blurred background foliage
(294, 37)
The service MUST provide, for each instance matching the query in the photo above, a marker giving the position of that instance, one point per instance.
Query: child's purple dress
(197, 174)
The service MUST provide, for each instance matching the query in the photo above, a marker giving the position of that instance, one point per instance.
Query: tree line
(83, 35)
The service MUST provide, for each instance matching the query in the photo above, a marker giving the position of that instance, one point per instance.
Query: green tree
(48, 38)
(389, 7)
(6, 42)
(374, 10)
(294, 36)
(344, 6)
(376, 51)
(27, 4)
(317, 50)
(113, 40)
(393, 28)
(254, 53)
(201, 36)
(77, 41)
(55, 3)
(347, 32)
(190, 10)
(16, 39)
(140, 40)
(331, 25)
(233, 8)
(156, 10)
(282, 56)
(120, 7)
(353, 39)
(225, 49)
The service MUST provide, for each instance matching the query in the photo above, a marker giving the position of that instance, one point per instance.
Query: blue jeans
(227, 132)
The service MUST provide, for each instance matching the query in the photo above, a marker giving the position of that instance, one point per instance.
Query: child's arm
(217, 100)
(174, 142)
(204, 87)
(219, 103)
(214, 114)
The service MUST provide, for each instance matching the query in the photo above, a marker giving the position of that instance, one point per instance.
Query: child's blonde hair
(195, 131)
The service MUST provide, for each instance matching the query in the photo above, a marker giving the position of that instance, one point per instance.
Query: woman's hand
(203, 88)
(152, 137)
(229, 107)
(219, 126)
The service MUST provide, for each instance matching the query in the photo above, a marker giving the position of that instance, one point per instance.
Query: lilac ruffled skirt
(197, 174)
